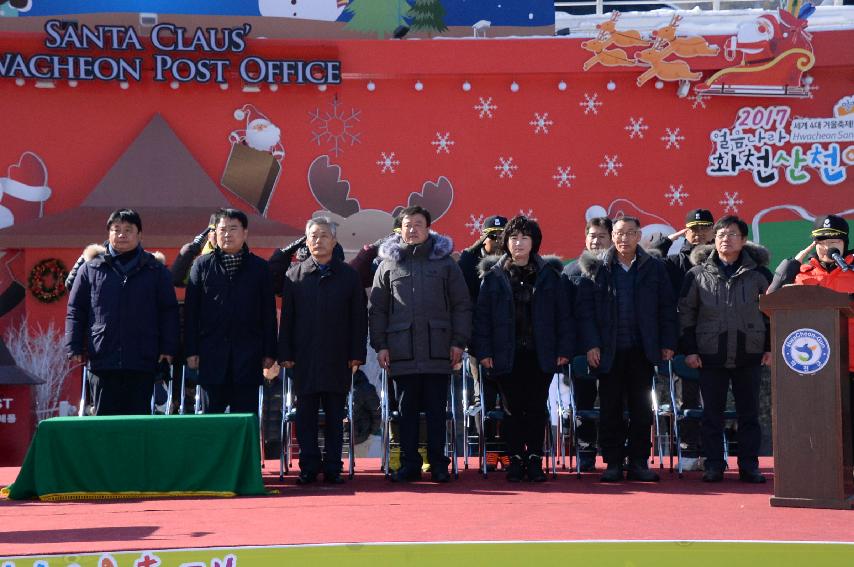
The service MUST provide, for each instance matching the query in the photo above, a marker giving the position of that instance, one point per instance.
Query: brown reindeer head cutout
(357, 226)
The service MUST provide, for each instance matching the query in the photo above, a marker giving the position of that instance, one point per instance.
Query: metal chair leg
(464, 406)
(453, 445)
(81, 411)
(261, 422)
(169, 392)
(198, 402)
(181, 405)
(351, 454)
(282, 377)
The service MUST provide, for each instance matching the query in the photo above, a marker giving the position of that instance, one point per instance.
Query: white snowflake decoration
(635, 128)
(529, 214)
(541, 123)
(676, 195)
(610, 165)
(443, 143)
(731, 202)
(388, 163)
(475, 223)
(564, 176)
(590, 103)
(672, 138)
(335, 127)
(485, 107)
(699, 100)
(505, 167)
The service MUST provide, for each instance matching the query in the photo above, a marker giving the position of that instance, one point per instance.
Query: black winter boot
(516, 470)
(613, 473)
(535, 469)
(639, 470)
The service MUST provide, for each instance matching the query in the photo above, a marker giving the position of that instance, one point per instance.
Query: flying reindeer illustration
(692, 46)
(664, 70)
(623, 38)
(358, 226)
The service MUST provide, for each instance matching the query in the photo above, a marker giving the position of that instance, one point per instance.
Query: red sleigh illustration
(775, 53)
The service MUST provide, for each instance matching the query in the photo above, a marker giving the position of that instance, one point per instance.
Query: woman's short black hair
(129, 216)
(522, 225)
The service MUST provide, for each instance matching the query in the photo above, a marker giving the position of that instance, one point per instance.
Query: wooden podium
(811, 397)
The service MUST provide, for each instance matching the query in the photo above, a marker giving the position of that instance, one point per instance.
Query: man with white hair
(322, 337)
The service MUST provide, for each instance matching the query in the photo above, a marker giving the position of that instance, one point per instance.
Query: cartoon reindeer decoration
(664, 70)
(625, 38)
(607, 36)
(691, 46)
(358, 226)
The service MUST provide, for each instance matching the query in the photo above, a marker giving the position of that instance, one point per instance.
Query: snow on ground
(700, 22)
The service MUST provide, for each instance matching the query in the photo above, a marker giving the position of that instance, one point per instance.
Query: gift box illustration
(255, 161)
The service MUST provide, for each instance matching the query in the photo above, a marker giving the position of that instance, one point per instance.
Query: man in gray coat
(420, 322)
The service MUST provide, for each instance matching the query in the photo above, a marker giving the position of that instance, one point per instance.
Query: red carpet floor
(371, 509)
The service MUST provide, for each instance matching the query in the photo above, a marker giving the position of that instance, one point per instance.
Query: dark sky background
(457, 12)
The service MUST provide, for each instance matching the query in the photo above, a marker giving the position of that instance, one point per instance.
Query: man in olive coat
(420, 322)
(322, 337)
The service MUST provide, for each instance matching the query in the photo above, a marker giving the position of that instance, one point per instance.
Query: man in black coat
(628, 324)
(122, 314)
(323, 336)
(597, 241)
(230, 318)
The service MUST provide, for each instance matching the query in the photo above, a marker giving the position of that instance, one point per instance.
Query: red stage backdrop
(471, 127)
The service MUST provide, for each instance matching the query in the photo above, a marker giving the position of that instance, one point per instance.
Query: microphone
(837, 257)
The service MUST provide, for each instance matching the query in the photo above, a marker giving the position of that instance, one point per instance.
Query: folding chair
(289, 415)
(564, 417)
(581, 371)
(677, 367)
(476, 412)
(388, 416)
(85, 386)
(662, 412)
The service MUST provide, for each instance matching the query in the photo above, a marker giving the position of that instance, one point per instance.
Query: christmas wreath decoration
(47, 280)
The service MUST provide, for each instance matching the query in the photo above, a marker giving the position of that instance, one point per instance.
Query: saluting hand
(383, 358)
(693, 361)
(801, 256)
(594, 356)
(456, 355)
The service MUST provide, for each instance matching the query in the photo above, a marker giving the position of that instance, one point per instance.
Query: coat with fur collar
(419, 305)
(494, 318)
(719, 317)
(597, 312)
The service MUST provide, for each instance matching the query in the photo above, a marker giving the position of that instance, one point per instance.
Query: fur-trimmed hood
(590, 263)
(758, 253)
(488, 262)
(93, 250)
(394, 247)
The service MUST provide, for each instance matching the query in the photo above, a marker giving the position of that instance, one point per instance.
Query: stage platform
(472, 509)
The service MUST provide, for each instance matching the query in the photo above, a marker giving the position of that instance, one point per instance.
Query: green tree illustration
(427, 15)
(380, 17)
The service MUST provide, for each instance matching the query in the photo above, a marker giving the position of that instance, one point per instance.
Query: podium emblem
(806, 351)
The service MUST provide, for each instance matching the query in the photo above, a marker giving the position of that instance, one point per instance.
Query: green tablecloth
(78, 458)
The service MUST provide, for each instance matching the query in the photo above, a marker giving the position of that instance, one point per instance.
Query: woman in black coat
(522, 334)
